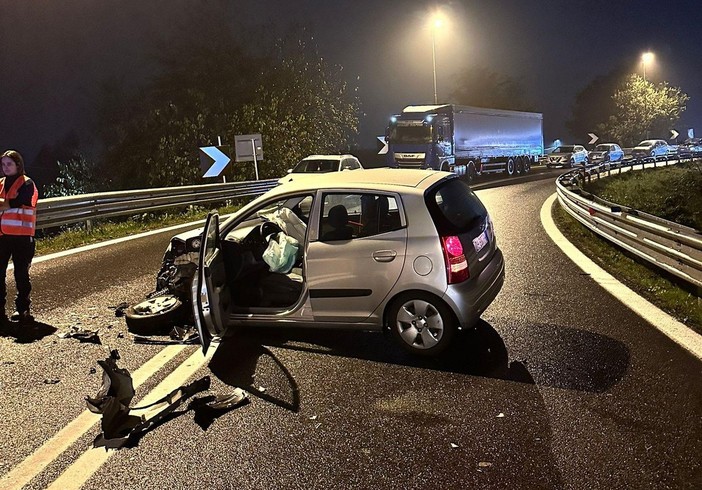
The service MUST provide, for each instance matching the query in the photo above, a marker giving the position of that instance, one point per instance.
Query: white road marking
(21, 474)
(90, 461)
(675, 330)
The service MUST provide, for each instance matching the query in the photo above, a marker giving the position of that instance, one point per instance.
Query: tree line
(215, 84)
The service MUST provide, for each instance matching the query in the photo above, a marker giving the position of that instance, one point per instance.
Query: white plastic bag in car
(281, 253)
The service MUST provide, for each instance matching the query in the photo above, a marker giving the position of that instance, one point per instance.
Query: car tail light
(456, 263)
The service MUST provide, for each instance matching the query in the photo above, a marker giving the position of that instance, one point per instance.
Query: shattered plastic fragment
(113, 399)
(484, 464)
(178, 336)
(51, 381)
(500, 415)
(210, 408)
(313, 417)
(454, 445)
(119, 309)
(81, 334)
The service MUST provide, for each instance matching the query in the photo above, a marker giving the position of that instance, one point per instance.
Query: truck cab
(420, 140)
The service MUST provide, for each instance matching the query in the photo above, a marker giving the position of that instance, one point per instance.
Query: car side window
(351, 216)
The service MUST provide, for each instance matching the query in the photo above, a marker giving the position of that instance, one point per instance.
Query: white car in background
(316, 164)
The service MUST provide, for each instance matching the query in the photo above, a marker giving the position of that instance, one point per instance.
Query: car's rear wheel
(421, 323)
(154, 315)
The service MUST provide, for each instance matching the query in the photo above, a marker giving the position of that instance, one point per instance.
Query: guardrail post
(89, 225)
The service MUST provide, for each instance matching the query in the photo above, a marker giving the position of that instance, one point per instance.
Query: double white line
(90, 461)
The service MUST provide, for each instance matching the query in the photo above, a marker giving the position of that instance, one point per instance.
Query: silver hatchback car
(412, 251)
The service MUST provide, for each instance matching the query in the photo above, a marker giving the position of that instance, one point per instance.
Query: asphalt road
(562, 386)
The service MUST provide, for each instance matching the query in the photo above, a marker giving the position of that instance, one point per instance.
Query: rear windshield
(454, 207)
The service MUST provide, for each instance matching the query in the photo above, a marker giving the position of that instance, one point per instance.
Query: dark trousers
(21, 250)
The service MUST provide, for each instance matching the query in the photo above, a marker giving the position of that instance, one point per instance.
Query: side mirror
(289, 170)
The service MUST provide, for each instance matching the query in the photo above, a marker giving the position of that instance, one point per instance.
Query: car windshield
(410, 134)
(565, 149)
(602, 148)
(308, 166)
(454, 206)
(646, 143)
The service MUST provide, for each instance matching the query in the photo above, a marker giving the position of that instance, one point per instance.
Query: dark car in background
(650, 150)
(606, 154)
(691, 147)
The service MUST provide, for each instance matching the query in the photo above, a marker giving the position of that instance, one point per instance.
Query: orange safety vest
(22, 220)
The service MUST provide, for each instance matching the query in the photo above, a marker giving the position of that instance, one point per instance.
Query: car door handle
(384, 255)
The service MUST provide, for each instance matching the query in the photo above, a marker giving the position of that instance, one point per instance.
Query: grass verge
(671, 297)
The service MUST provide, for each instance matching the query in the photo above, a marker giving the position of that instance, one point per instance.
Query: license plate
(480, 241)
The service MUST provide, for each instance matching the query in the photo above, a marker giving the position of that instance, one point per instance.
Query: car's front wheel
(421, 323)
(154, 315)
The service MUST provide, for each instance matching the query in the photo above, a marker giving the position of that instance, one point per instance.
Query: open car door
(211, 297)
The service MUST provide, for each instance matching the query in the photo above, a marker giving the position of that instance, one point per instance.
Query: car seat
(338, 218)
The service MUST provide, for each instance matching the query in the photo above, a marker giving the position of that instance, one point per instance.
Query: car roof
(327, 157)
(374, 178)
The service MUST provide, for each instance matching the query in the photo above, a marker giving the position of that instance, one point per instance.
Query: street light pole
(437, 23)
(433, 61)
(645, 59)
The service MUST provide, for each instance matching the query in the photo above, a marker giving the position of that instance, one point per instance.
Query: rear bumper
(470, 298)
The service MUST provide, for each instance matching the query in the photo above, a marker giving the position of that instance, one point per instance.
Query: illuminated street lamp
(436, 23)
(646, 58)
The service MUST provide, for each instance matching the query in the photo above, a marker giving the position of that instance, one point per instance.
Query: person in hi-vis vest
(18, 204)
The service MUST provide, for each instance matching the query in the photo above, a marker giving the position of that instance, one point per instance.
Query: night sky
(54, 54)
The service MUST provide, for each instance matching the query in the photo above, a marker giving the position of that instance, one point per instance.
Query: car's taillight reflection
(456, 263)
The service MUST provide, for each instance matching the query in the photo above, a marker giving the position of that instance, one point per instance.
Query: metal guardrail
(59, 211)
(674, 248)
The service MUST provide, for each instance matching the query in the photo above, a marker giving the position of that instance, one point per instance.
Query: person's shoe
(24, 317)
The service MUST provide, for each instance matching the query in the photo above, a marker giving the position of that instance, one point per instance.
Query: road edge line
(662, 321)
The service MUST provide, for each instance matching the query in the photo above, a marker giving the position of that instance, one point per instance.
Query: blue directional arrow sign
(213, 160)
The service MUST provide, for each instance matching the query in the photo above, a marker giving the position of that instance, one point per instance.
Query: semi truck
(469, 141)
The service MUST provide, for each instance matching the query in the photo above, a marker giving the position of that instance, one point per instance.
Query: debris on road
(177, 336)
(82, 335)
(119, 309)
(122, 424)
(51, 381)
(454, 445)
(500, 415)
(210, 408)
